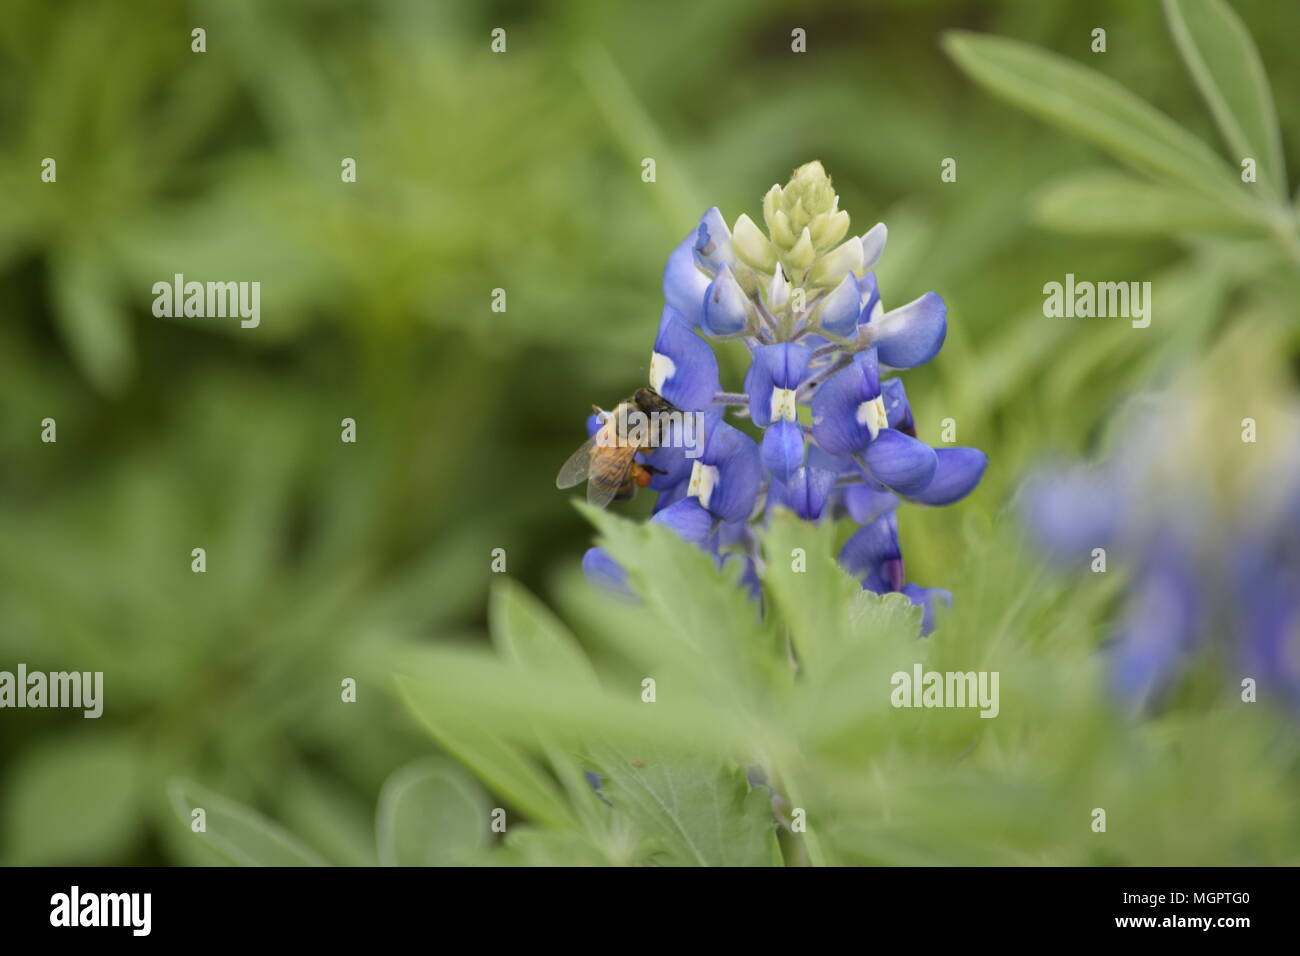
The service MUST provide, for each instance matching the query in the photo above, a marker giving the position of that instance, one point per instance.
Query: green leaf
(528, 846)
(1223, 60)
(430, 814)
(845, 704)
(700, 812)
(808, 588)
(527, 632)
(1111, 203)
(531, 636)
(457, 687)
(708, 634)
(329, 816)
(95, 329)
(237, 832)
(73, 801)
(498, 763)
(1092, 106)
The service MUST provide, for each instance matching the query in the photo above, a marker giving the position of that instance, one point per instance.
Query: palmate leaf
(528, 634)
(484, 699)
(847, 641)
(498, 763)
(699, 811)
(1094, 107)
(708, 633)
(670, 785)
(878, 785)
(1223, 60)
(808, 588)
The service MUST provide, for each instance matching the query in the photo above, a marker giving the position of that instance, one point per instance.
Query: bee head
(649, 401)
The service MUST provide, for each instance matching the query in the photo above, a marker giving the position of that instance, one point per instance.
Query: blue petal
(774, 366)
(912, 334)
(740, 472)
(726, 307)
(1069, 512)
(835, 406)
(787, 362)
(672, 461)
(865, 504)
(873, 557)
(1270, 603)
(688, 519)
(604, 572)
(713, 242)
(896, 406)
(836, 464)
(782, 449)
(684, 284)
(957, 473)
(868, 308)
(869, 290)
(925, 598)
(1159, 625)
(730, 534)
(670, 494)
(689, 377)
(806, 493)
(841, 308)
(672, 458)
(900, 462)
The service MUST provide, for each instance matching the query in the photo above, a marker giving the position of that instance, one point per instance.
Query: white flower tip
(873, 244)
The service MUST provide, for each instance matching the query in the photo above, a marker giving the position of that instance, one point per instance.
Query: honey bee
(607, 460)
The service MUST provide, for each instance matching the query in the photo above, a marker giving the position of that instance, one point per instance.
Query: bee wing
(609, 471)
(575, 470)
(600, 495)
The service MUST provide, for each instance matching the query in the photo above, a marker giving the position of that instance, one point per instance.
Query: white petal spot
(662, 368)
(779, 294)
(873, 415)
(783, 404)
(703, 479)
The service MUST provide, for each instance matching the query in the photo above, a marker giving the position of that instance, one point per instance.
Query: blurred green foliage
(522, 171)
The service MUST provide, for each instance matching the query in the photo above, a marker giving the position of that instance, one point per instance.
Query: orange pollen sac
(640, 476)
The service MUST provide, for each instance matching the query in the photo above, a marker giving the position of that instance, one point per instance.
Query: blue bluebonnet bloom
(838, 436)
(1206, 529)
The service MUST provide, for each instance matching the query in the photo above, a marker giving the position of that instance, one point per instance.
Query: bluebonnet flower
(838, 436)
(1207, 529)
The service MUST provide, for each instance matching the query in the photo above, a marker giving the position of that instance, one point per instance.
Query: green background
(475, 171)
